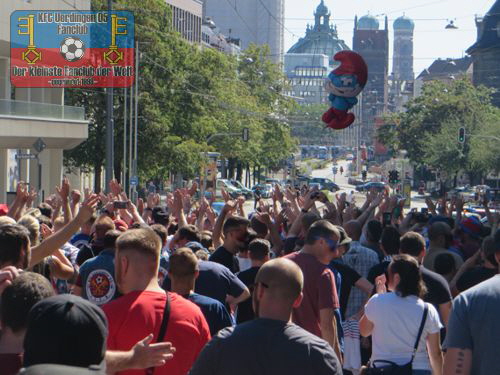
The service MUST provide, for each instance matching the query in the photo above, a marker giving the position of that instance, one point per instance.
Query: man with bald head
(271, 343)
(440, 238)
(316, 313)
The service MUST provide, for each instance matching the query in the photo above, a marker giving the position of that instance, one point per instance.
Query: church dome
(368, 22)
(404, 23)
(322, 9)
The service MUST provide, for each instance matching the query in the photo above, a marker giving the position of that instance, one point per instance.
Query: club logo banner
(62, 48)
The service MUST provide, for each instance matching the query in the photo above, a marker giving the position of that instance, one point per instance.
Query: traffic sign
(26, 156)
(134, 181)
(334, 170)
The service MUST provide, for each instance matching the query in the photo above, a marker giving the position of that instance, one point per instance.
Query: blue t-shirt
(80, 239)
(215, 312)
(97, 278)
(214, 281)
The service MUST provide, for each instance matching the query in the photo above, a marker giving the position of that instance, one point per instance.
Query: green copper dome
(404, 23)
(368, 22)
(322, 9)
(322, 38)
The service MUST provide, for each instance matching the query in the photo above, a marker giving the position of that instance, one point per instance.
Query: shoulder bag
(383, 367)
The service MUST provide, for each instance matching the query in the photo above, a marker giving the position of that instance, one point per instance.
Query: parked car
(266, 190)
(379, 186)
(246, 192)
(272, 181)
(355, 181)
(232, 190)
(325, 183)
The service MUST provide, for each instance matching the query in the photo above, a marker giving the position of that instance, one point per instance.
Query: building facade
(372, 43)
(211, 37)
(308, 62)
(187, 18)
(259, 22)
(445, 70)
(29, 114)
(486, 52)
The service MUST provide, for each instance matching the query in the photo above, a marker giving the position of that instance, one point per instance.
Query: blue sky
(431, 40)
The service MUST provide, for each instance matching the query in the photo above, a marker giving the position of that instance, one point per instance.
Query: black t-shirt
(349, 277)
(266, 347)
(377, 270)
(474, 276)
(245, 308)
(214, 281)
(226, 258)
(438, 291)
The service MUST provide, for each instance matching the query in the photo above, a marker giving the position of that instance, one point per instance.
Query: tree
(428, 130)
(185, 95)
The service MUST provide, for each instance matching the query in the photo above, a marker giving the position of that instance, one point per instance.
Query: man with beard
(235, 231)
(271, 343)
(145, 307)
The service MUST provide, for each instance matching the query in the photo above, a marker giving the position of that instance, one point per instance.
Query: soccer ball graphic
(72, 49)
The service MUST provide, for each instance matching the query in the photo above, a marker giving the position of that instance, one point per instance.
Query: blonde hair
(7, 220)
(33, 226)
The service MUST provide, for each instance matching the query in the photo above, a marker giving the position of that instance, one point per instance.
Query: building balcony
(22, 123)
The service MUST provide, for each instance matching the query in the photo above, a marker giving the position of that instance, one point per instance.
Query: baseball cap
(195, 246)
(344, 238)
(472, 226)
(4, 209)
(160, 215)
(66, 330)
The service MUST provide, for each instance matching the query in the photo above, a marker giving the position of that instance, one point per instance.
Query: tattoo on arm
(460, 362)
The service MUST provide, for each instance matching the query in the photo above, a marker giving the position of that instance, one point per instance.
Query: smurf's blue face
(345, 85)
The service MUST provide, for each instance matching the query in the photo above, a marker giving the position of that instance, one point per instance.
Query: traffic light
(363, 175)
(461, 135)
(393, 177)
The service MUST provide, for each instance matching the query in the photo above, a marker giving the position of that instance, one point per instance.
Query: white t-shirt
(396, 322)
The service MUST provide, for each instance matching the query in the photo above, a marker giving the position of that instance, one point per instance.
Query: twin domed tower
(372, 42)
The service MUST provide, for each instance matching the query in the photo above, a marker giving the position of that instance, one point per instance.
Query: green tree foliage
(429, 128)
(187, 93)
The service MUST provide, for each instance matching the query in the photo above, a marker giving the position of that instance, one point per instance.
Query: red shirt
(319, 292)
(135, 315)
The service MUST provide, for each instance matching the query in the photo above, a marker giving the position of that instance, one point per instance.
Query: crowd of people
(308, 283)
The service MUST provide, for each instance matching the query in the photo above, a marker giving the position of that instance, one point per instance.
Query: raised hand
(380, 284)
(225, 195)
(32, 195)
(115, 187)
(193, 189)
(229, 207)
(87, 208)
(76, 196)
(277, 194)
(64, 190)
